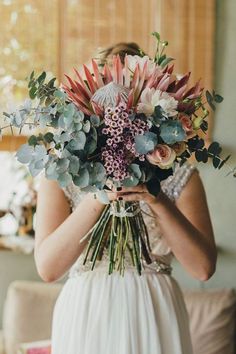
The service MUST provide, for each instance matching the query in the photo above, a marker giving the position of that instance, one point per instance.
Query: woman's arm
(185, 225)
(58, 233)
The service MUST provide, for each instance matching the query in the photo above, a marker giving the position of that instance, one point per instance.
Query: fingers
(132, 197)
(140, 188)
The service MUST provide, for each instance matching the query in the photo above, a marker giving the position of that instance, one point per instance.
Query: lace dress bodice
(161, 253)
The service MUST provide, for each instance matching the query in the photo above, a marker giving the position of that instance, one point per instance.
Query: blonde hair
(120, 49)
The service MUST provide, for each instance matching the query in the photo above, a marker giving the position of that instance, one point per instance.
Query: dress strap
(174, 184)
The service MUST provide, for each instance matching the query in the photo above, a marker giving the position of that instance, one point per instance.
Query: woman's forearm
(189, 245)
(59, 250)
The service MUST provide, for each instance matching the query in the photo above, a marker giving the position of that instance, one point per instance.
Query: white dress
(97, 313)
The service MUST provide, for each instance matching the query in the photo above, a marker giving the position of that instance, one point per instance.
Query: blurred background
(58, 35)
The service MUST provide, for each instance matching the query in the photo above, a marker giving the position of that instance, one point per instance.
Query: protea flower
(126, 85)
(120, 83)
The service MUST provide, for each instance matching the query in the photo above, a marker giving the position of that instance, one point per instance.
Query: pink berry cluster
(120, 151)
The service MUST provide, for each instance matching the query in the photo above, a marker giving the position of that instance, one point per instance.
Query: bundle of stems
(120, 230)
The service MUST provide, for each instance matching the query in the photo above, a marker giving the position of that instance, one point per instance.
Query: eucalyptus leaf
(74, 165)
(82, 179)
(42, 77)
(48, 137)
(25, 153)
(62, 165)
(130, 181)
(78, 117)
(59, 94)
(32, 140)
(51, 171)
(146, 142)
(64, 179)
(95, 120)
(103, 197)
(98, 171)
(86, 126)
(171, 132)
(134, 169)
(35, 167)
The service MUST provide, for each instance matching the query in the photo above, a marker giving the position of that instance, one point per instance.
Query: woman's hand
(132, 194)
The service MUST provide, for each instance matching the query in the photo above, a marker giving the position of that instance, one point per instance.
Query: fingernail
(119, 189)
(120, 198)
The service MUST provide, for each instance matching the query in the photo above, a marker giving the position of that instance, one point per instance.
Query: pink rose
(187, 125)
(162, 156)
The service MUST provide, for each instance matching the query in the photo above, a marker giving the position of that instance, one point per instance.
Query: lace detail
(174, 184)
(161, 254)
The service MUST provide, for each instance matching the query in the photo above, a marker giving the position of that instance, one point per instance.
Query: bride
(110, 314)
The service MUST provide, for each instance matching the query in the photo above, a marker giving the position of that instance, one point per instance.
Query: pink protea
(82, 92)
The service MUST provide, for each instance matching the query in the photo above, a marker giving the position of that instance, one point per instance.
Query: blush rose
(162, 156)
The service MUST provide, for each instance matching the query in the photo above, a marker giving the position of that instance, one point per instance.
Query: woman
(103, 314)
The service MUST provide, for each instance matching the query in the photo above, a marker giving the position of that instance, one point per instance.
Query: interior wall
(221, 190)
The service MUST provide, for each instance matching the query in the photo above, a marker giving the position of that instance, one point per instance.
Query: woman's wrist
(159, 202)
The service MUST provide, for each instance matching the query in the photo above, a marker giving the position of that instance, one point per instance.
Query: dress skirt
(97, 313)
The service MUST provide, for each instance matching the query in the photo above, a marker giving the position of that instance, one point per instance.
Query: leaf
(82, 179)
(146, 142)
(95, 120)
(40, 152)
(210, 100)
(224, 161)
(130, 181)
(48, 137)
(200, 144)
(135, 170)
(64, 179)
(91, 142)
(216, 161)
(32, 92)
(35, 167)
(78, 142)
(217, 98)
(209, 96)
(31, 75)
(103, 197)
(74, 165)
(86, 126)
(50, 170)
(62, 165)
(204, 126)
(157, 35)
(32, 141)
(51, 82)
(171, 131)
(69, 110)
(214, 148)
(59, 94)
(42, 77)
(25, 153)
(99, 171)
(166, 61)
(198, 155)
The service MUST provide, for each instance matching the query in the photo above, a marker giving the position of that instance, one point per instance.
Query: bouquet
(125, 124)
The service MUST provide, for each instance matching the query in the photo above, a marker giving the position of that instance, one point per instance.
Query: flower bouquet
(127, 123)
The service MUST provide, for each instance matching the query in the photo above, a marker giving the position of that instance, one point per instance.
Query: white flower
(150, 98)
(133, 60)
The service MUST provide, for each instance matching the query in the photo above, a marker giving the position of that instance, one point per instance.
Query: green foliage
(145, 143)
(161, 58)
(171, 131)
(39, 88)
(213, 98)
